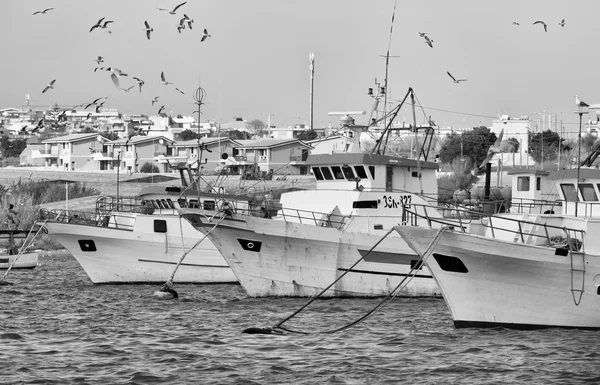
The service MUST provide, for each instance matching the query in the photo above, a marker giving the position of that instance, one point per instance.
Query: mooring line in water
(168, 286)
(24, 247)
(405, 281)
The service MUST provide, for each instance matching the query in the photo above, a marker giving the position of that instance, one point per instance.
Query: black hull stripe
(480, 324)
(19, 268)
(183, 264)
(384, 273)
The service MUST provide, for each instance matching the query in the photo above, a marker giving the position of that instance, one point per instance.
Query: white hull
(510, 284)
(110, 255)
(285, 259)
(24, 261)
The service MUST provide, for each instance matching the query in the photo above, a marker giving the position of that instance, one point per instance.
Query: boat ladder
(524, 233)
(577, 270)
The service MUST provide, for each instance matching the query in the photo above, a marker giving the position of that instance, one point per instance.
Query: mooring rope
(169, 282)
(24, 247)
(405, 281)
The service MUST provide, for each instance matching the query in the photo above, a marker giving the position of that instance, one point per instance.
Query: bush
(6, 162)
(148, 168)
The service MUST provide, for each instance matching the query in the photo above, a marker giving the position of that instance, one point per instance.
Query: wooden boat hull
(113, 255)
(488, 282)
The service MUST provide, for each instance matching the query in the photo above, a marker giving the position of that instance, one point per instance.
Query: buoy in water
(166, 292)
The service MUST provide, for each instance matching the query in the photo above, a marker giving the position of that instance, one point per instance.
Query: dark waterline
(56, 327)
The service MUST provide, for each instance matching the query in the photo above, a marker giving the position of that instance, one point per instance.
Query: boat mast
(385, 81)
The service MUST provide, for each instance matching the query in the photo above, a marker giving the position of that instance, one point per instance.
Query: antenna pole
(312, 82)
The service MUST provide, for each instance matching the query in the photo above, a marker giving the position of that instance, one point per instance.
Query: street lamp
(580, 112)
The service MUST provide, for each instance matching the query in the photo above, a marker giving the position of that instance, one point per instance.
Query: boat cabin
(372, 172)
(544, 192)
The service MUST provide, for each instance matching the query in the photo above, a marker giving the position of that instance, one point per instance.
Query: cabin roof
(366, 159)
(529, 171)
(584, 173)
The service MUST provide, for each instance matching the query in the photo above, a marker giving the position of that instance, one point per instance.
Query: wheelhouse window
(360, 172)
(337, 172)
(569, 192)
(372, 171)
(326, 173)
(317, 173)
(587, 191)
(538, 183)
(348, 173)
(523, 183)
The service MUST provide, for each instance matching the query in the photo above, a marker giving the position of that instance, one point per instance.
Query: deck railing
(522, 229)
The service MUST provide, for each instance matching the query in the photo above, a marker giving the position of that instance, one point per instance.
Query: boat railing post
(492, 226)
(521, 231)
(547, 234)
(462, 228)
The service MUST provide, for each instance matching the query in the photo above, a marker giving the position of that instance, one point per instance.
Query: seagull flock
(116, 74)
(429, 42)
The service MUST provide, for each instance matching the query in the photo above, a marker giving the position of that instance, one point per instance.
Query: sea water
(56, 327)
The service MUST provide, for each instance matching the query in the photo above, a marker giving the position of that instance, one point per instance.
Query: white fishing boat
(142, 239)
(319, 234)
(27, 260)
(12, 256)
(525, 269)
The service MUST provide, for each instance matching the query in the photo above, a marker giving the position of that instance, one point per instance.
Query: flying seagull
(204, 35)
(542, 23)
(422, 34)
(562, 23)
(98, 106)
(140, 82)
(99, 60)
(180, 91)
(515, 23)
(43, 12)
(189, 21)
(154, 100)
(174, 9)
(148, 29)
(94, 102)
(40, 124)
(162, 79)
(455, 80)
(98, 68)
(180, 26)
(115, 73)
(48, 86)
(428, 41)
(494, 149)
(98, 24)
(580, 103)
(127, 89)
(161, 109)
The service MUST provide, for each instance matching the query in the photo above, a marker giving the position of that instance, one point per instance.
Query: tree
(475, 144)
(148, 168)
(12, 148)
(543, 146)
(257, 126)
(188, 135)
(235, 134)
(308, 135)
(110, 135)
(510, 145)
(587, 142)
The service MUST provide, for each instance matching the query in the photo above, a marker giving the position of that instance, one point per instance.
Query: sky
(255, 65)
